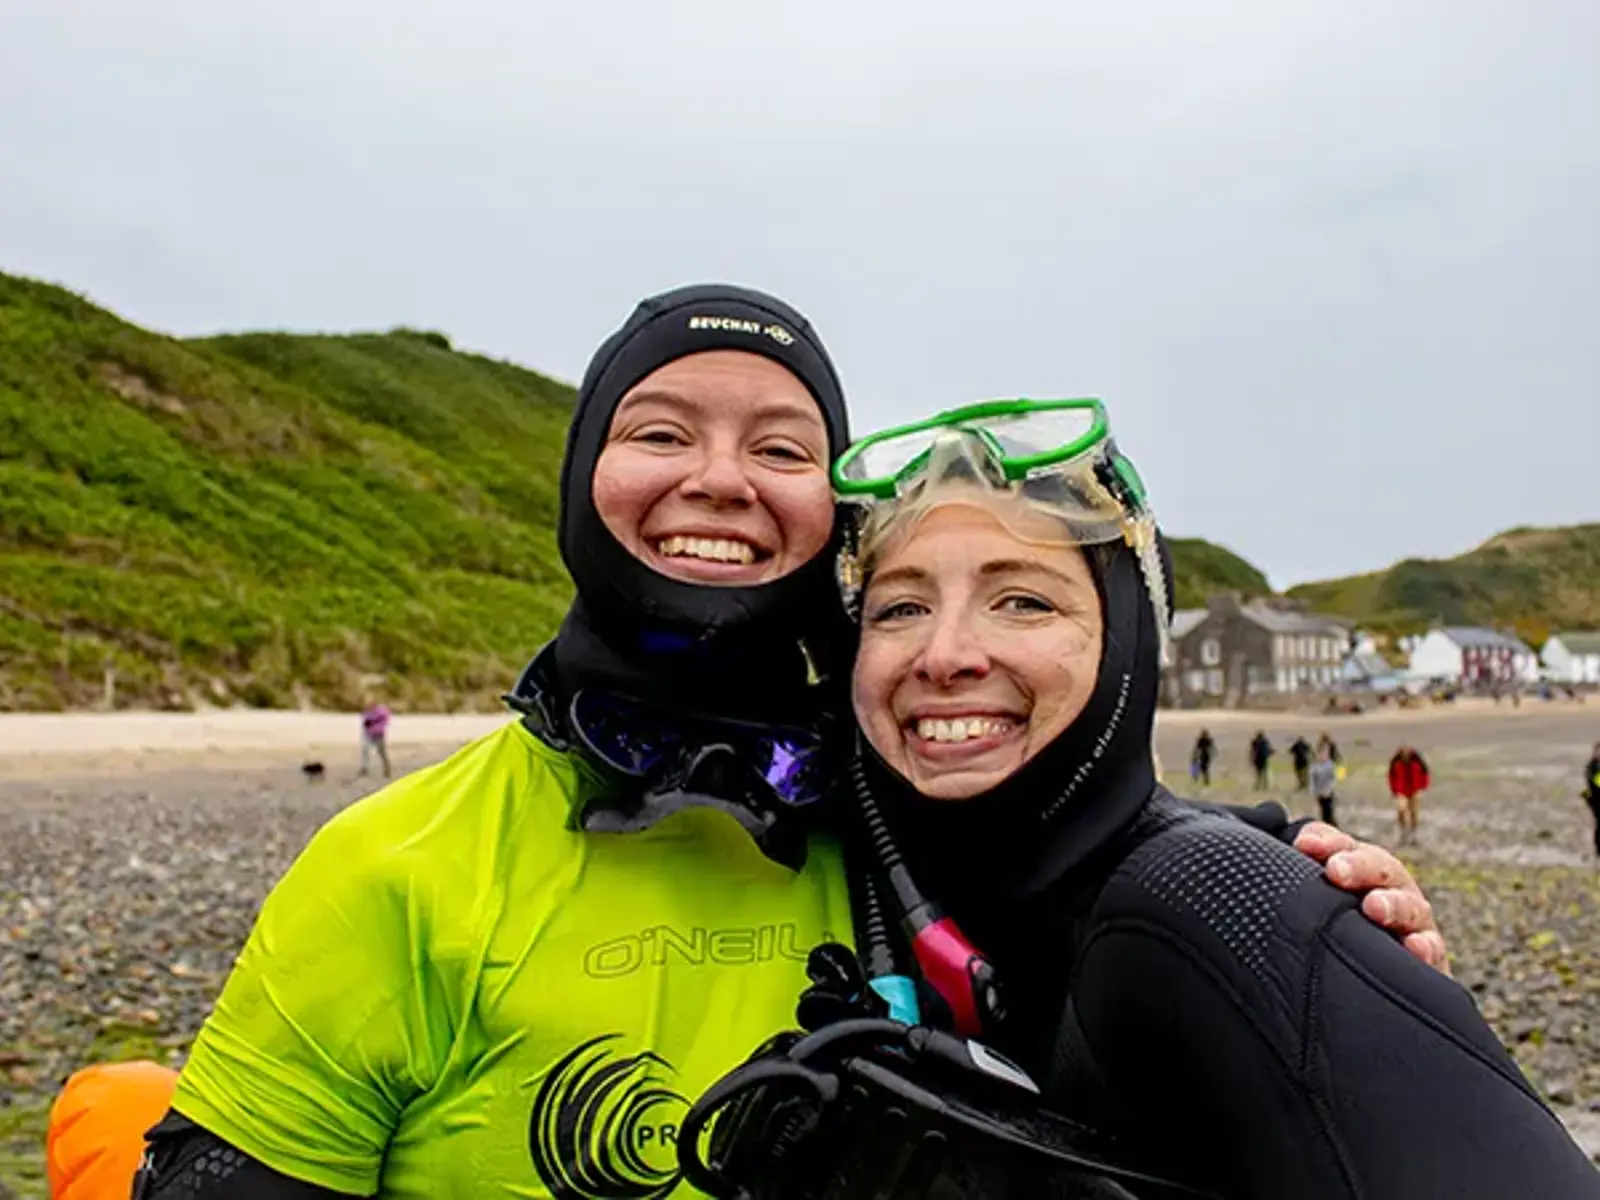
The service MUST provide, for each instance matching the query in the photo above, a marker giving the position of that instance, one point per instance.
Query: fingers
(1321, 841)
(1430, 948)
(1393, 900)
(1399, 911)
(1408, 915)
(1365, 867)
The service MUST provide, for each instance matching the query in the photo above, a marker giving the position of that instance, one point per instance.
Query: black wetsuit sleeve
(187, 1162)
(1286, 1047)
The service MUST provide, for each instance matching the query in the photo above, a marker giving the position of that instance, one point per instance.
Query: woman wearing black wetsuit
(1177, 979)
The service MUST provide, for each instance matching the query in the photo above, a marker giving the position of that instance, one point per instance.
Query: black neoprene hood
(689, 320)
(747, 652)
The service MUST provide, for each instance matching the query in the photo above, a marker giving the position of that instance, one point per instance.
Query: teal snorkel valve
(885, 975)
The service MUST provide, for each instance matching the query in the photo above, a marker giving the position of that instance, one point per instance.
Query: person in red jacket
(1408, 779)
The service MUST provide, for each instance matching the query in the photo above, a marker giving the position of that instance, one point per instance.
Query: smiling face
(715, 471)
(981, 640)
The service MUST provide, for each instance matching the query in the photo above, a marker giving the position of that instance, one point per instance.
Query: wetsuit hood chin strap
(783, 672)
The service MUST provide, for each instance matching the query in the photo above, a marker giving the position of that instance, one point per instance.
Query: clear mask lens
(963, 465)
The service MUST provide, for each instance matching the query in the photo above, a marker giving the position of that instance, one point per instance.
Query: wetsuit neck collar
(710, 772)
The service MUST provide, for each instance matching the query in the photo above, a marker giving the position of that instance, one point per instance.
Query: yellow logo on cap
(774, 331)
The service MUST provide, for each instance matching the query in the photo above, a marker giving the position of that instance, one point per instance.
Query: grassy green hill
(272, 519)
(1534, 580)
(267, 518)
(1200, 568)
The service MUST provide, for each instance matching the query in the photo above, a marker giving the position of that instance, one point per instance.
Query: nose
(953, 651)
(720, 478)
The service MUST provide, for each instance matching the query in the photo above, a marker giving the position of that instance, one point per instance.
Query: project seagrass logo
(605, 1127)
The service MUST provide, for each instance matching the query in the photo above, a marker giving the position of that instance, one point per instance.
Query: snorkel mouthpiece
(950, 964)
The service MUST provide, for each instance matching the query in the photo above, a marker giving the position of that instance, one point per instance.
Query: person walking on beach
(1300, 752)
(1200, 758)
(1261, 758)
(1591, 792)
(375, 736)
(1408, 779)
(1324, 777)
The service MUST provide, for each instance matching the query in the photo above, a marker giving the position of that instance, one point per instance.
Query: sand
(136, 847)
(37, 744)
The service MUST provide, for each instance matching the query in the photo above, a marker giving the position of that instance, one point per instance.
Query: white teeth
(961, 729)
(710, 549)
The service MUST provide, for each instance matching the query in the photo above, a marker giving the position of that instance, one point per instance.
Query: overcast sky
(1335, 266)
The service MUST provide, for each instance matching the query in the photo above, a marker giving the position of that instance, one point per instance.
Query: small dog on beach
(313, 771)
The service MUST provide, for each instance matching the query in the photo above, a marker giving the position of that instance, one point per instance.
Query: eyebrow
(1024, 566)
(995, 566)
(782, 410)
(898, 575)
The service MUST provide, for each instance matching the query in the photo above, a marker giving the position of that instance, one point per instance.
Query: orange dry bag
(95, 1139)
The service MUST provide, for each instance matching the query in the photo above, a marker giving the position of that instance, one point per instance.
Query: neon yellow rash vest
(450, 994)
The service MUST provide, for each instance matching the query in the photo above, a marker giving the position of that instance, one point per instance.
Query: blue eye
(897, 611)
(1027, 604)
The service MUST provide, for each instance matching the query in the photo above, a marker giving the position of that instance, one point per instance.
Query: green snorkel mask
(1054, 456)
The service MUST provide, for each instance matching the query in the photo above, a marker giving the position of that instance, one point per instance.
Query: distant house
(1572, 657)
(1473, 657)
(1184, 621)
(1367, 670)
(1229, 651)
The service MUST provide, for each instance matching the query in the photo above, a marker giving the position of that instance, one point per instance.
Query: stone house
(1230, 652)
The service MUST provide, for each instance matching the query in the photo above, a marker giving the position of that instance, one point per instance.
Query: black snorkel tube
(878, 955)
(950, 964)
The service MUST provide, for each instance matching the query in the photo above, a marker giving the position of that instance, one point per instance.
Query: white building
(1572, 657)
(1474, 658)
(1362, 642)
